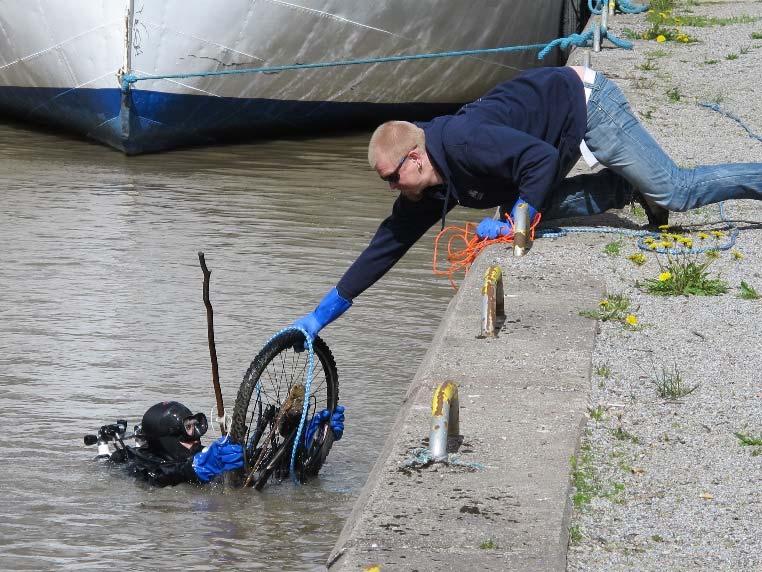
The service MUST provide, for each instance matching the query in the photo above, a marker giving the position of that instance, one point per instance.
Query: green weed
(748, 441)
(756, 35)
(622, 435)
(603, 371)
(711, 62)
(748, 292)
(575, 535)
(731, 57)
(488, 544)
(614, 308)
(670, 383)
(596, 414)
(586, 481)
(648, 65)
(613, 248)
(744, 50)
(685, 274)
(658, 53)
(673, 95)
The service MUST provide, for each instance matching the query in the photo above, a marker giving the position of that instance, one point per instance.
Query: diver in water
(169, 450)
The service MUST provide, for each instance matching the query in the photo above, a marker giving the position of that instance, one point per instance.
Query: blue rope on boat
(583, 39)
(718, 109)
(575, 39)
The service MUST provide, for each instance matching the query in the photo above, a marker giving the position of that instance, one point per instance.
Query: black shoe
(657, 216)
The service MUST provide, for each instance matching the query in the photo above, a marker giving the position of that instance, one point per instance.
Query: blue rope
(718, 109)
(584, 39)
(574, 39)
(421, 457)
(642, 235)
(624, 6)
(306, 404)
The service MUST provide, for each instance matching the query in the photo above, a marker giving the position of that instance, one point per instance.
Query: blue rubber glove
(491, 228)
(217, 458)
(337, 423)
(532, 210)
(331, 307)
(319, 418)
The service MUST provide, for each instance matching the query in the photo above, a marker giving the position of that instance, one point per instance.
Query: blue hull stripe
(147, 121)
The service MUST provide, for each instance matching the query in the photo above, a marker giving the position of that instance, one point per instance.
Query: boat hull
(70, 78)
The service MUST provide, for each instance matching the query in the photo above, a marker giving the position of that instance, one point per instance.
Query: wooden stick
(212, 347)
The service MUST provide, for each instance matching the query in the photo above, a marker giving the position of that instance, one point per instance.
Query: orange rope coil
(464, 246)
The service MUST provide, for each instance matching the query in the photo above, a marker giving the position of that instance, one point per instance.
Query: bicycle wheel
(268, 409)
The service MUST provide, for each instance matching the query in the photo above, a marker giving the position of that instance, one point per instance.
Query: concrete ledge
(523, 397)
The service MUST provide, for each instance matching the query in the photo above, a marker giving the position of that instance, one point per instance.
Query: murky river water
(101, 316)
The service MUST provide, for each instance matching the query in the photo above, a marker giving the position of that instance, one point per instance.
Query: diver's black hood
(164, 431)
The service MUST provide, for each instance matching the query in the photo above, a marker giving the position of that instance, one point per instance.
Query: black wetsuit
(144, 464)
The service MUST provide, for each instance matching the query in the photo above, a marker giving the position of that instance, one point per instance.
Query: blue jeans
(634, 161)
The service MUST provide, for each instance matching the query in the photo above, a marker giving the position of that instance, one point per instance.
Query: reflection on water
(102, 316)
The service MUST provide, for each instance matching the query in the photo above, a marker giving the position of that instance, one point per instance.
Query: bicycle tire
(277, 368)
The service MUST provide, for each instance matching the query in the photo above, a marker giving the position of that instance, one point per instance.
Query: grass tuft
(748, 292)
(670, 383)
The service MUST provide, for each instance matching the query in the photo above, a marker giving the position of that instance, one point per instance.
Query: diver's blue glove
(319, 418)
(337, 422)
(532, 210)
(217, 458)
(492, 228)
(331, 307)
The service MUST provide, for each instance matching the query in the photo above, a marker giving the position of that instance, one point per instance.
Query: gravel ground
(665, 484)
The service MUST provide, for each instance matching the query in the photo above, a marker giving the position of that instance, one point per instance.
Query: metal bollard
(521, 230)
(445, 419)
(493, 303)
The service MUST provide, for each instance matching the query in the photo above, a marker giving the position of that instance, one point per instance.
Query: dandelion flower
(653, 246)
(631, 319)
(737, 255)
(638, 258)
(703, 235)
(712, 254)
(688, 243)
(663, 226)
(661, 39)
(718, 233)
(664, 276)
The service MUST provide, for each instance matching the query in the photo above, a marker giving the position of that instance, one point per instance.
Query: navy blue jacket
(517, 141)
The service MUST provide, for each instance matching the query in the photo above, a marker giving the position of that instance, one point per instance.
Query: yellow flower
(712, 254)
(653, 246)
(664, 276)
(688, 243)
(718, 233)
(603, 303)
(667, 244)
(663, 15)
(638, 258)
(661, 39)
(663, 226)
(703, 235)
(631, 319)
(737, 255)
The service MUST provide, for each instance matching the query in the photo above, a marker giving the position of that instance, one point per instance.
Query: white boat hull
(61, 63)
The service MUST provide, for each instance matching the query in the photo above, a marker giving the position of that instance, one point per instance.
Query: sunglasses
(394, 177)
